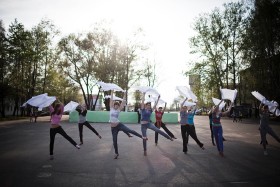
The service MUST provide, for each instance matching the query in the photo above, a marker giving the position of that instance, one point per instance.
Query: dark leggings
(267, 130)
(59, 130)
(186, 131)
(161, 124)
(88, 126)
(212, 135)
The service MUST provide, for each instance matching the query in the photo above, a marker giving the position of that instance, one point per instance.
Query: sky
(167, 25)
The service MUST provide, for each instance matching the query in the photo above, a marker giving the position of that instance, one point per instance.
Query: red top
(158, 115)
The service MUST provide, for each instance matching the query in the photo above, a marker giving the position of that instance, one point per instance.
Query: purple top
(55, 119)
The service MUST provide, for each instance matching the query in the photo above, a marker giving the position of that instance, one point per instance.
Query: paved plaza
(24, 157)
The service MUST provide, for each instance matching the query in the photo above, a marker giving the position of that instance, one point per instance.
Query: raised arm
(210, 111)
(156, 103)
(84, 112)
(123, 101)
(261, 108)
(182, 104)
(111, 99)
(164, 108)
(217, 105)
(228, 110)
(143, 100)
(194, 108)
(50, 108)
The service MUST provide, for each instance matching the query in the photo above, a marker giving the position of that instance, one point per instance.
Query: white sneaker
(265, 153)
(78, 147)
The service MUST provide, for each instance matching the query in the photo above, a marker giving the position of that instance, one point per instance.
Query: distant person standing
(30, 111)
(250, 112)
(240, 115)
(257, 112)
(138, 110)
(234, 116)
(35, 114)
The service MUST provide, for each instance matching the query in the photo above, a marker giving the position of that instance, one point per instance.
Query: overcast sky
(166, 23)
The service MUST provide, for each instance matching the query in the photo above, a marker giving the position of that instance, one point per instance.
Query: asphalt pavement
(24, 157)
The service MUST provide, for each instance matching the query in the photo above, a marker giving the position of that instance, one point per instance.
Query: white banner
(146, 89)
(277, 112)
(40, 101)
(228, 94)
(217, 101)
(115, 98)
(262, 99)
(188, 104)
(71, 106)
(257, 95)
(109, 86)
(186, 92)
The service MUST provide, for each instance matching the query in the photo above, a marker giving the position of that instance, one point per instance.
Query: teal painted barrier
(125, 117)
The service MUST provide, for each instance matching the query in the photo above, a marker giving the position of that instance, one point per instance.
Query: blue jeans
(218, 134)
(125, 129)
(151, 126)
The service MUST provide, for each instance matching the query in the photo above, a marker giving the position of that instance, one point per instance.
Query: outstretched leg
(194, 136)
(163, 125)
(63, 133)
(154, 128)
(273, 134)
(91, 128)
(126, 130)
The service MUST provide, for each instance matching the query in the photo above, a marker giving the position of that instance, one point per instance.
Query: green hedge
(125, 117)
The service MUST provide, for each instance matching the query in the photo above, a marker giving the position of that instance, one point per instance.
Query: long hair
(79, 110)
(57, 110)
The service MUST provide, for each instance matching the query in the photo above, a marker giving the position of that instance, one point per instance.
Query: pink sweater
(55, 119)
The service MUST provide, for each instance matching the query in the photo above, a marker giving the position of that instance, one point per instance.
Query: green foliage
(218, 43)
(262, 50)
(32, 65)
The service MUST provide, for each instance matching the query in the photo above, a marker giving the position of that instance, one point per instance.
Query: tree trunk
(93, 108)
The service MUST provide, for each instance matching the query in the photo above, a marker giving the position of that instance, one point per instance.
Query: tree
(4, 66)
(19, 57)
(219, 45)
(149, 73)
(77, 60)
(262, 43)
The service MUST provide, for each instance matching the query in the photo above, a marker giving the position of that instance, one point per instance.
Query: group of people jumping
(186, 121)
